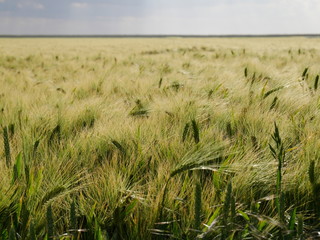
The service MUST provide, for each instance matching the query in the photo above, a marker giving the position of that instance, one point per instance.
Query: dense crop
(159, 138)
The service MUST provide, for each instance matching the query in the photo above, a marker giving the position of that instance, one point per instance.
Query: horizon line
(152, 35)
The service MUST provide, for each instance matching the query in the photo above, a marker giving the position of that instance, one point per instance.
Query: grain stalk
(32, 232)
(315, 185)
(12, 234)
(278, 153)
(228, 213)
(73, 217)
(197, 205)
(6, 146)
(50, 224)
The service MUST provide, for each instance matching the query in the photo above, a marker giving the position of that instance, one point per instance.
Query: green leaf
(244, 215)
(17, 168)
(292, 220)
(19, 164)
(130, 207)
(214, 216)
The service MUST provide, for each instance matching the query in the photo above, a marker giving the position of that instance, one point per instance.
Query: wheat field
(159, 138)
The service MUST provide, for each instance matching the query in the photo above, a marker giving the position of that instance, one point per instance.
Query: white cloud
(79, 5)
(2, 1)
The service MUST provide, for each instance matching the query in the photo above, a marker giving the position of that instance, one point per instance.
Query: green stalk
(6, 146)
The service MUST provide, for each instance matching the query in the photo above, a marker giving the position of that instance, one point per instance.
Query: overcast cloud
(159, 16)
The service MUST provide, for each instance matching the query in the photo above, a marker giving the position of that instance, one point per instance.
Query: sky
(204, 17)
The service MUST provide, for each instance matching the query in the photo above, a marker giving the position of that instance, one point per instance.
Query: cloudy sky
(159, 16)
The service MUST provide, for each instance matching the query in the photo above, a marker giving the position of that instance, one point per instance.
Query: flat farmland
(159, 138)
